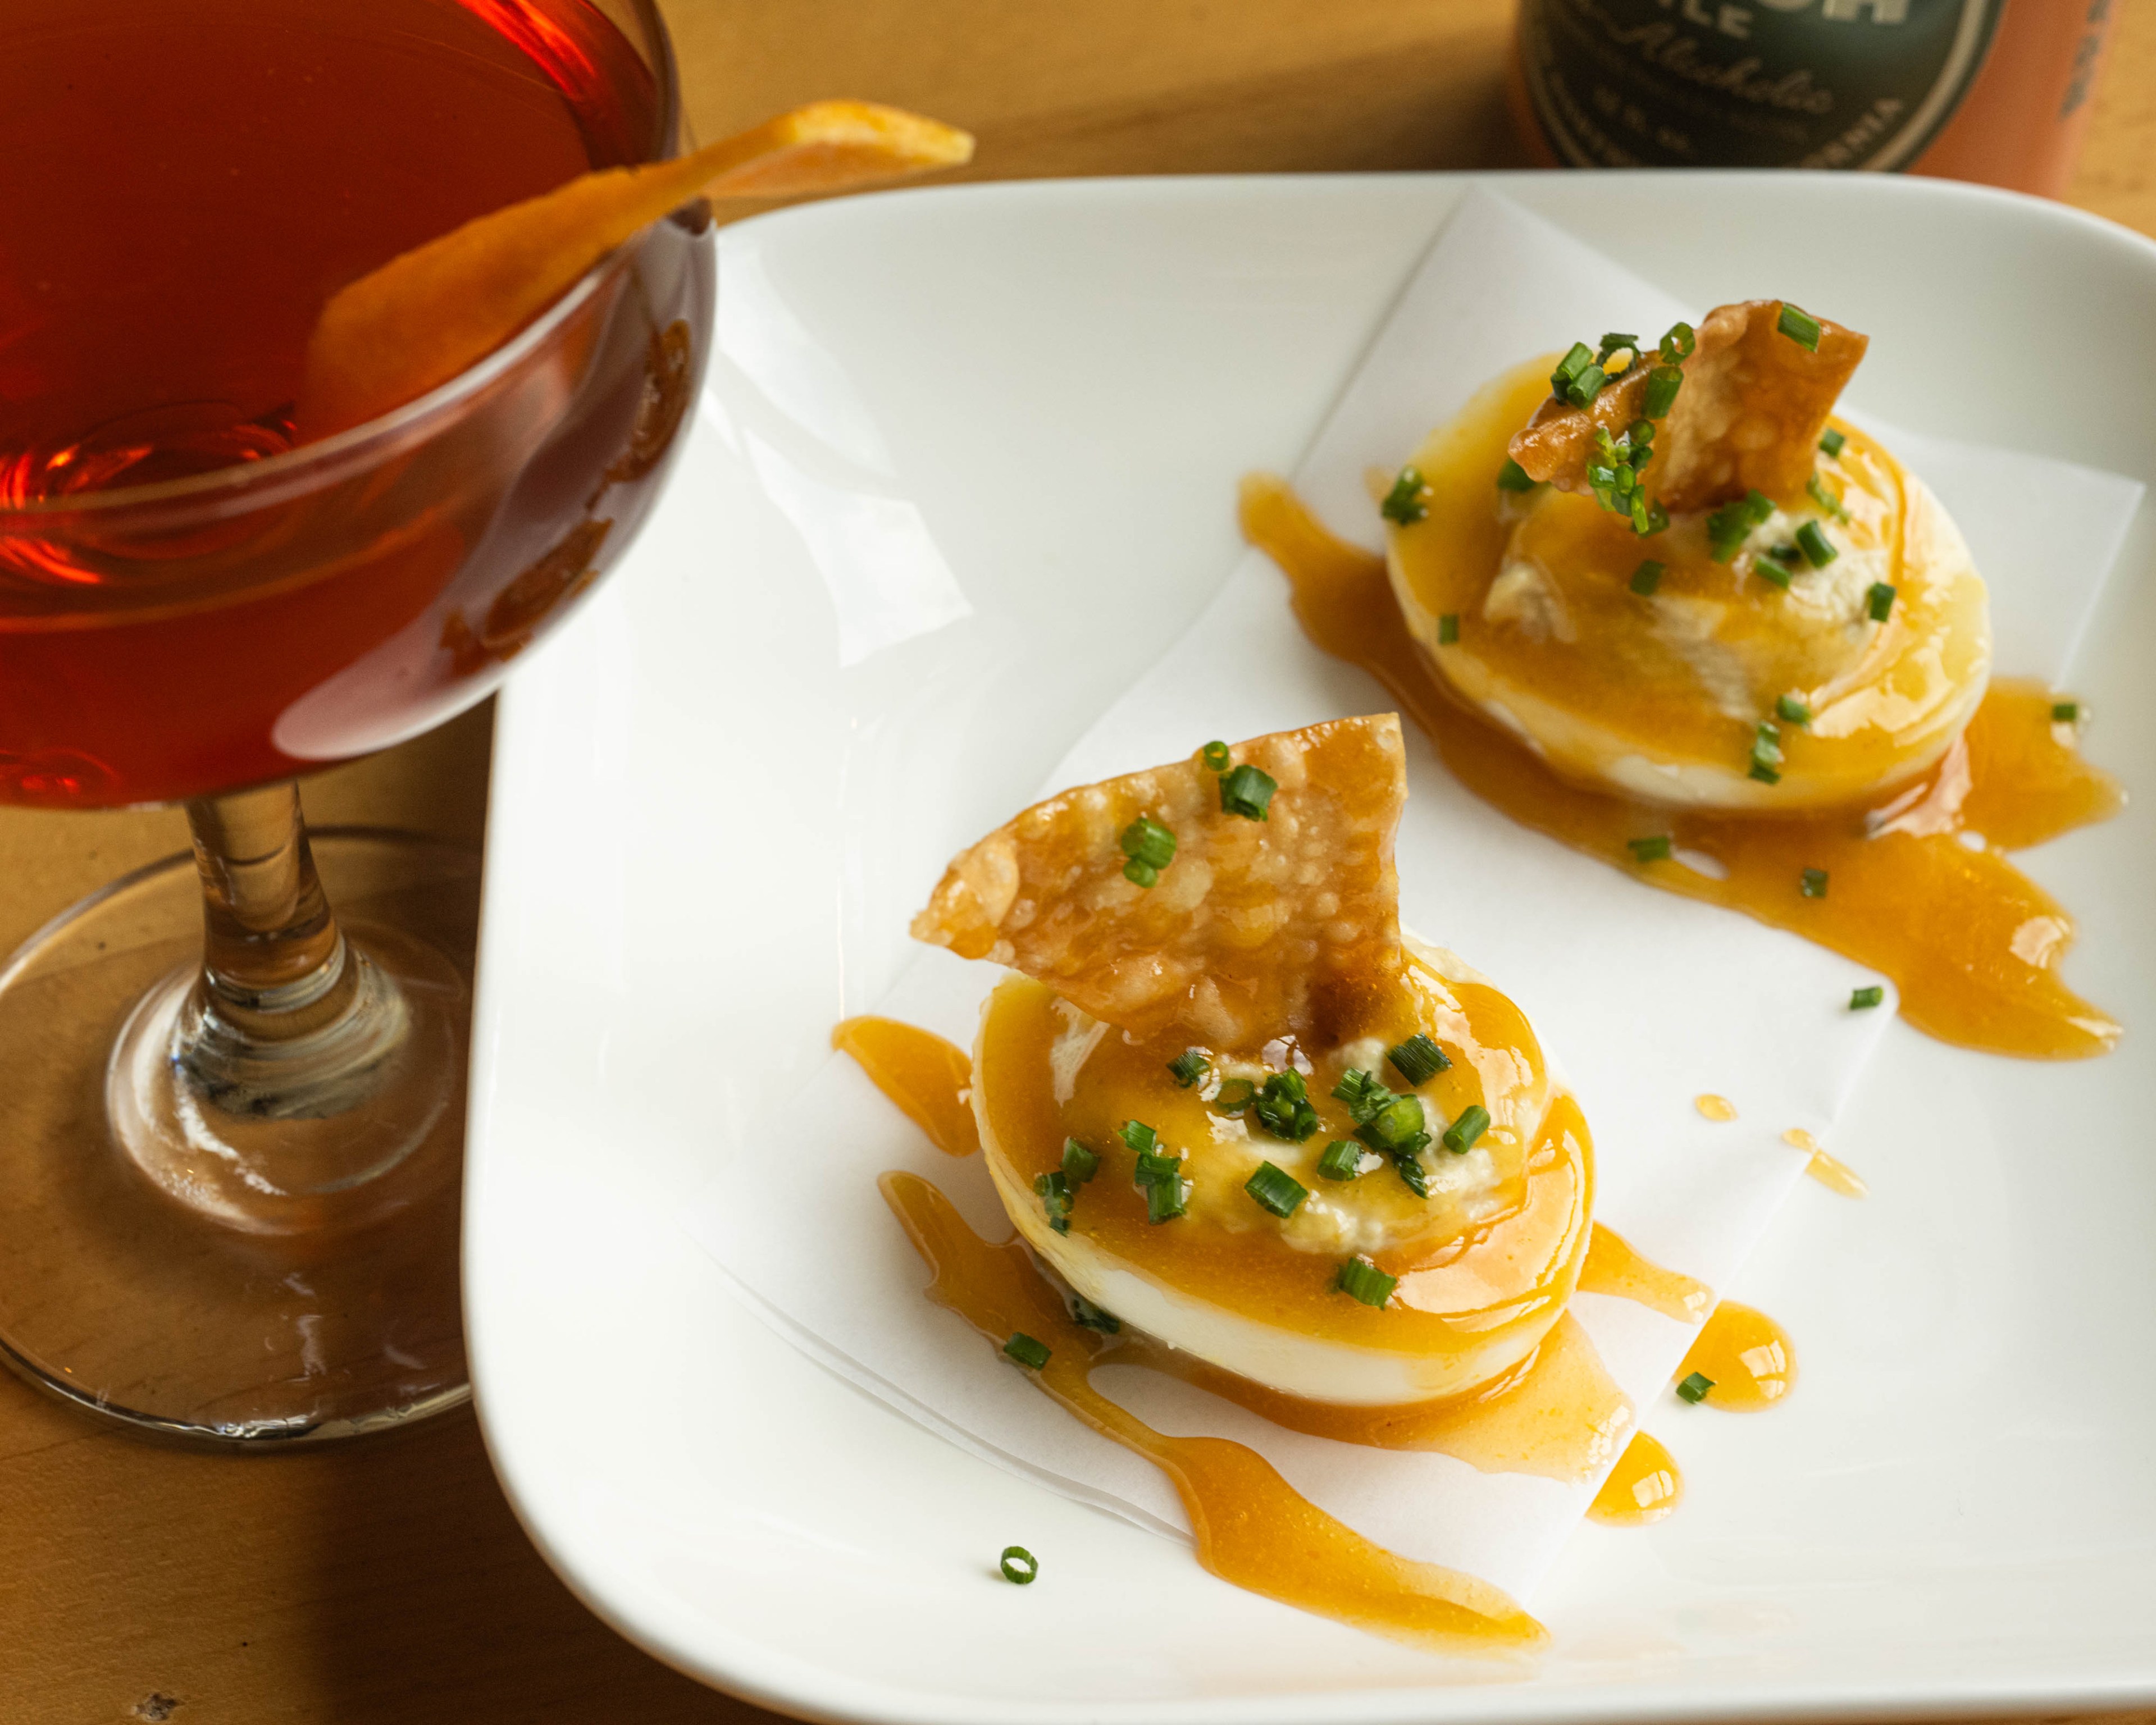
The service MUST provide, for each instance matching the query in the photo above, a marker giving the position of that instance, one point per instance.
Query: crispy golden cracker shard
(1748, 417)
(1257, 928)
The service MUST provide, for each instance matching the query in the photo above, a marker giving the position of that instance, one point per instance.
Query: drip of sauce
(1252, 1529)
(1748, 1357)
(1972, 943)
(1714, 1107)
(1643, 1487)
(1836, 1176)
(1614, 1268)
(931, 1079)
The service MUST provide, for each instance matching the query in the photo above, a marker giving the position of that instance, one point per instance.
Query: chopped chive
(1647, 578)
(1393, 1126)
(1772, 573)
(1141, 874)
(1660, 394)
(1283, 1107)
(1139, 1137)
(1418, 1059)
(1577, 359)
(1448, 629)
(1214, 754)
(1812, 539)
(2066, 712)
(1799, 326)
(1695, 1387)
(1879, 601)
(1245, 791)
(1146, 841)
(1080, 1163)
(1362, 1092)
(1359, 1279)
(1639, 434)
(1647, 850)
(1864, 999)
(1053, 1192)
(1164, 1199)
(1730, 526)
(1026, 1351)
(1513, 477)
(1408, 1165)
(1657, 521)
(1019, 1565)
(1785, 554)
(1792, 710)
(1831, 443)
(1342, 1160)
(1087, 1316)
(1613, 341)
(1678, 343)
(1189, 1066)
(1826, 499)
(1275, 1190)
(1153, 1167)
(1235, 1094)
(1764, 771)
(1586, 387)
(1812, 883)
(1766, 753)
(1460, 1136)
(1404, 503)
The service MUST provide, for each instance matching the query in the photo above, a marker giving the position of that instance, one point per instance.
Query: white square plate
(714, 810)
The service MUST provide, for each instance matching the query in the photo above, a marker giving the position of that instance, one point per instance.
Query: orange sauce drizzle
(1970, 941)
(931, 1079)
(1746, 1354)
(1834, 1175)
(1614, 1268)
(1643, 1487)
(1253, 1529)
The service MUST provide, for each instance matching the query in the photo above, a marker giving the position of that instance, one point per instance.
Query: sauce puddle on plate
(1971, 942)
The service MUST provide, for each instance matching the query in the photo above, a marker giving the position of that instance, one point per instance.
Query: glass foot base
(156, 1283)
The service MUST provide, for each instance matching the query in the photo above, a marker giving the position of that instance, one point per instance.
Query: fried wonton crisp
(1256, 927)
(1747, 417)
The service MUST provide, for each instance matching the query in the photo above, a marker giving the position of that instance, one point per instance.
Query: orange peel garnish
(1748, 417)
(1258, 928)
(425, 316)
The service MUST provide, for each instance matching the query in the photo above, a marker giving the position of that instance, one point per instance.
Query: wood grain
(388, 1584)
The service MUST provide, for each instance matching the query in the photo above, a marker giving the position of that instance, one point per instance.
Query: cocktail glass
(232, 1084)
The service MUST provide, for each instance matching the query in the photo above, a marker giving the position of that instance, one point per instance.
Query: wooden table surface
(388, 1582)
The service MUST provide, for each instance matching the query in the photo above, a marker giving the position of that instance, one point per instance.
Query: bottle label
(1749, 83)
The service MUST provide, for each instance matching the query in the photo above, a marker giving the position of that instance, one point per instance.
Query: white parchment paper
(1644, 999)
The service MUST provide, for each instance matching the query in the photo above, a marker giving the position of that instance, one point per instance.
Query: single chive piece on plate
(1026, 1351)
(1053, 1192)
(1611, 342)
(1577, 359)
(1406, 1163)
(1864, 999)
(1019, 1565)
(1189, 1066)
(1362, 1092)
(1342, 1160)
(1879, 601)
(1247, 792)
(1647, 578)
(1826, 499)
(1275, 1188)
(1678, 342)
(1831, 443)
(1087, 1316)
(1080, 1163)
(1792, 710)
(1404, 503)
(1392, 1126)
(1146, 841)
(1359, 1279)
(1139, 1137)
(1235, 1094)
(1818, 549)
(1812, 883)
(1695, 1387)
(1730, 526)
(1647, 850)
(1214, 754)
(1772, 570)
(1460, 1136)
(1283, 1107)
(1767, 753)
(1513, 477)
(1799, 326)
(2066, 712)
(1154, 1168)
(1651, 520)
(1164, 1199)
(1448, 629)
(1418, 1059)
(1141, 874)
(1660, 394)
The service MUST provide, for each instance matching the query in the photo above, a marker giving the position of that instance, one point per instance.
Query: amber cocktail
(228, 1189)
